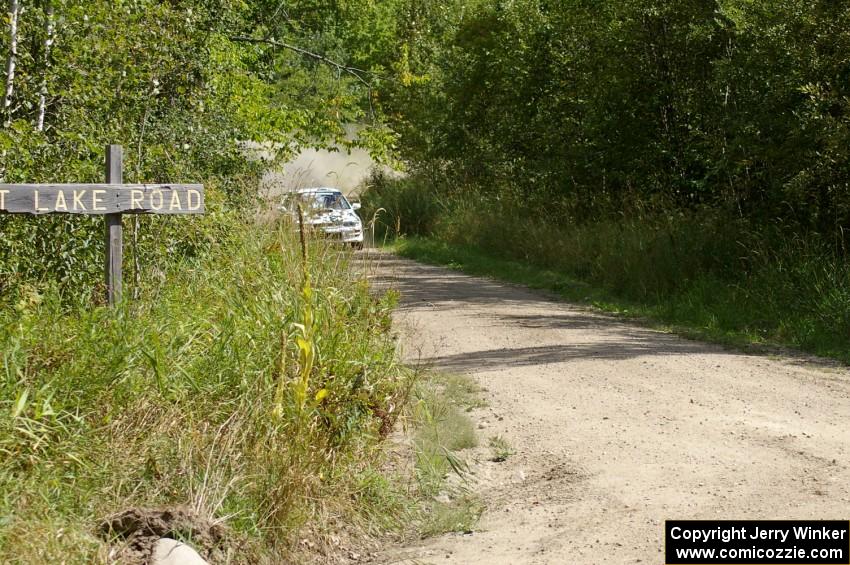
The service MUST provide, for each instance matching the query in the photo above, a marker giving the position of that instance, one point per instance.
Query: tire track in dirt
(617, 427)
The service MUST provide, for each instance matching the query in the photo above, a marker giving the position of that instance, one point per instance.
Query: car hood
(333, 217)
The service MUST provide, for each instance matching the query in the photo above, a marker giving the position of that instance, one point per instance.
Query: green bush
(698, 268)
(399, 206)
(191, 396)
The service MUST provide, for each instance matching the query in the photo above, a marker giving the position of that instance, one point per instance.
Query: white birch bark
(49, 29)
(11, 59)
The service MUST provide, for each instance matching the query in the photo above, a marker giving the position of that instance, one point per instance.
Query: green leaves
(602, 107)
(166, 80)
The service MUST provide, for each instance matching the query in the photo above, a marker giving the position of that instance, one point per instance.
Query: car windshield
(326, 201)
(313, 202)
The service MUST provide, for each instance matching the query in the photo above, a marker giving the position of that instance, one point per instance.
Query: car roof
(318, 190)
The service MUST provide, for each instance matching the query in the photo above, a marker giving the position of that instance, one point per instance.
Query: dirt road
(617, 427)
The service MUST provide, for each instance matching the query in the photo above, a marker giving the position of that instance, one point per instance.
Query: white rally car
(329, 211)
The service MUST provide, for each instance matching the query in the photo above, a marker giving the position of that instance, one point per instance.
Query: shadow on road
(505, 358)
(437, 287)
(438, 290)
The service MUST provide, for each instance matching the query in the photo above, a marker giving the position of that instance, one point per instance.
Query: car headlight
(350, 224)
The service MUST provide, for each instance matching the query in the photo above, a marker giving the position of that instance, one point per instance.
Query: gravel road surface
(617, 427)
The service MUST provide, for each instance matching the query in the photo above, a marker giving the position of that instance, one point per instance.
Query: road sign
(111, 200)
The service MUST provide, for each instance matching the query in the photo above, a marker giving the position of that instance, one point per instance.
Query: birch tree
(49, 31)
(11, 59)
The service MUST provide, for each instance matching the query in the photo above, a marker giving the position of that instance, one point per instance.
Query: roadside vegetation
(442, 431)
(237, 390)
(253, 387)
(800, 305)
(696, 278)
(685, 162)
(500, 449)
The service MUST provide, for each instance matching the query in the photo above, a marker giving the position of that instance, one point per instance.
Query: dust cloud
(343, 169)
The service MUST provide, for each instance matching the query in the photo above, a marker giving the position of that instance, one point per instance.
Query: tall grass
(410, 205)
(249, 385)
(717, 273)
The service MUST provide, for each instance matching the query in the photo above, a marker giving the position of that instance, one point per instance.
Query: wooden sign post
(114, 229)
(110, 200)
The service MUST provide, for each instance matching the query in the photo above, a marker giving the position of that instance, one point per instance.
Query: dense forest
(734, 105)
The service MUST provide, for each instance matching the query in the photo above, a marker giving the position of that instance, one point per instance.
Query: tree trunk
(49, 28)
(11, 60)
